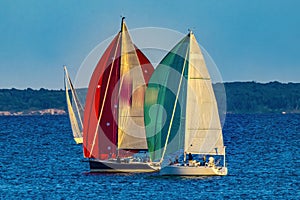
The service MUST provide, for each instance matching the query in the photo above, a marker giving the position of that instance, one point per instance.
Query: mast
(122, 22)
(118, 103)
(186, 99)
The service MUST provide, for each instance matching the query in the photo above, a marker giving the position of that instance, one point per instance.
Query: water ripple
(40, 160)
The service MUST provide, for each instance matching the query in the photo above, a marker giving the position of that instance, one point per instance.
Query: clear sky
(249, 40)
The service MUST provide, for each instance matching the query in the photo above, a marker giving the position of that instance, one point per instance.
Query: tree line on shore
(241, 97)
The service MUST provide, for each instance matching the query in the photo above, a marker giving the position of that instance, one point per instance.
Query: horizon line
(226, 82)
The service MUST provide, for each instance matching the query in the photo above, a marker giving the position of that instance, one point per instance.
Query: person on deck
(176, 160)
(211, 162)
(190, 158)
(203, 160)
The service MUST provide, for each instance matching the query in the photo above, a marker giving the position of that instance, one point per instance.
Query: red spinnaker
(100, 127)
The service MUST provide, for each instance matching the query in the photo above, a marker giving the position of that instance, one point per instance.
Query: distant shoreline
(240, 98)
(48, 112)
(51, 111)
(225, 83)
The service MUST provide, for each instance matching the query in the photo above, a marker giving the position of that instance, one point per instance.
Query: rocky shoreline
(51, 111)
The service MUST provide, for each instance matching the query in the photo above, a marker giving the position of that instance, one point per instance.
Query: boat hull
(175, 170)
(78, 140)
(117, 167)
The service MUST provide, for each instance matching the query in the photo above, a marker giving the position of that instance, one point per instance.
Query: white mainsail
(203, 132)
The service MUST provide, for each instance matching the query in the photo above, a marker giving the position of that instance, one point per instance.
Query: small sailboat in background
(181, 114)
(114, 138)
(75, 111)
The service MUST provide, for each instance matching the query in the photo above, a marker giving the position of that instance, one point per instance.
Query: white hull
(78, 140)
(176, 170)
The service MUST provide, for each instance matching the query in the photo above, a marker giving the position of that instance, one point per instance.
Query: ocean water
(39, 160)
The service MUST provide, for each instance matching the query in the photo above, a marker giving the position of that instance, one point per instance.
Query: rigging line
(74, 95)
(175, 104)
(104, 97)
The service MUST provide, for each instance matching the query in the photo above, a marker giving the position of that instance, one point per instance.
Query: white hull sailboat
(181, 114)
(194, 168)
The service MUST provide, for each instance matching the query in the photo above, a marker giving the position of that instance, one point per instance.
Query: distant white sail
(75, 125)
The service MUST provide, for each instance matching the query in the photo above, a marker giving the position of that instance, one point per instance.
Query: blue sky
(249, 40)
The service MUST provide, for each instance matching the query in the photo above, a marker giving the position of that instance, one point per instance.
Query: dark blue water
(40, 160)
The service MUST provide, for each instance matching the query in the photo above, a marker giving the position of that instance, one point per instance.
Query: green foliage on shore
(273, 97)
(15, 100)
(241, 97)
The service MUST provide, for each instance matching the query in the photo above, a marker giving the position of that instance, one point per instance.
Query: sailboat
(75, 112)
(181, 114)
(114, 138)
